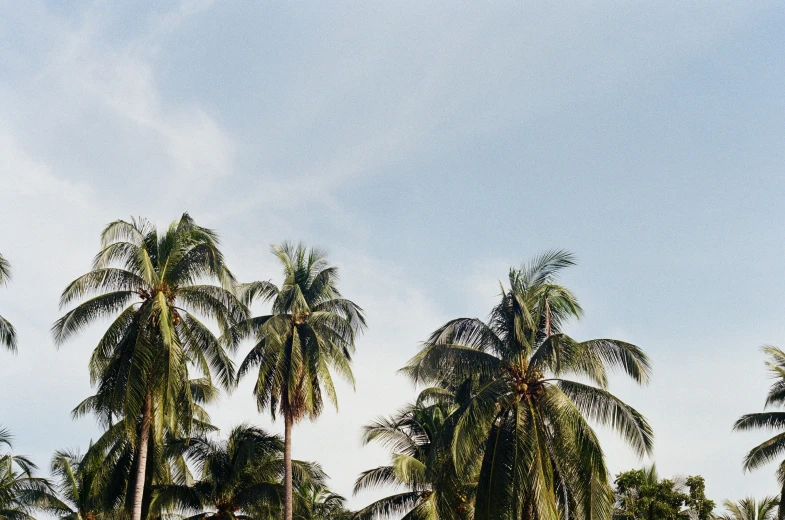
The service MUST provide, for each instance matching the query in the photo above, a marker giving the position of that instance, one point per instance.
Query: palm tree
(419, 437)
(155, 287)
(78, 479)
(313, 501)
(239, 478)
(310, 330)
(773, 448)
(7, 331)
(524, 423)
(20, 492)
(750, 509)
(115, 482)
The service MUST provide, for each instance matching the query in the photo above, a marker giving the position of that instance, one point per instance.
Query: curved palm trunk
(287, 460)
(141, 468)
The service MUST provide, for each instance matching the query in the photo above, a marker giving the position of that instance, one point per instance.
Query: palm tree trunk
(287, 461)
(141, 468)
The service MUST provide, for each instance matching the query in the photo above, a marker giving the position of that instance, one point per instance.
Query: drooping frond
(8, 337)
(389, 507)
(103, 306)
(5, 270)
(601, 406)
(377, 477)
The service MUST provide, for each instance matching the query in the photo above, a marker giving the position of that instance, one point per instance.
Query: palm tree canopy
(77, 486)
(114, 455)
(21, 492)
(773, 448)
(237, 477)
(157, 288)
(313, 501)
(522, 415)
(750, 509)
(310, 331)
(8, 337)
(419, 440)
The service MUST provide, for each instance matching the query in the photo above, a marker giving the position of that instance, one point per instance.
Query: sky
(429, 147)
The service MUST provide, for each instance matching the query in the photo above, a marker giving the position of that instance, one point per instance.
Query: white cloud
(103, 75)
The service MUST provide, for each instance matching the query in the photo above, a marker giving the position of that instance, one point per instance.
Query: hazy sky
(429, 147)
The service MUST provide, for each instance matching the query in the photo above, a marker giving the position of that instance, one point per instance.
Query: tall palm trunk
(141, 468)
(287, 461)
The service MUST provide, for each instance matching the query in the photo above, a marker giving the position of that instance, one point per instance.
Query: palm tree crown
(419, 438)
(310, 330)
(116, 453)
(313, 501)
(523, 422)
(77, 485)
(21, 493)
(773, 448)
(239, 478)
(750, 509)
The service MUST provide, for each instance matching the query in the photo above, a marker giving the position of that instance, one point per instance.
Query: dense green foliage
(642, 495)
(421, 462)
(503, 429)
(21, 492)
(239, 478)
(316, 502)
(77, 478)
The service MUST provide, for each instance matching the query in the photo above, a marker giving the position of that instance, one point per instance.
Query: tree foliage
(524, 421)
(773, 448)
(419, 438)
(750, 509)
(238, 478)
(21, 492)
(642, 495)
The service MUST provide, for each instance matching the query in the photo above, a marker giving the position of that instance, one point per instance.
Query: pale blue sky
(428, 147)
